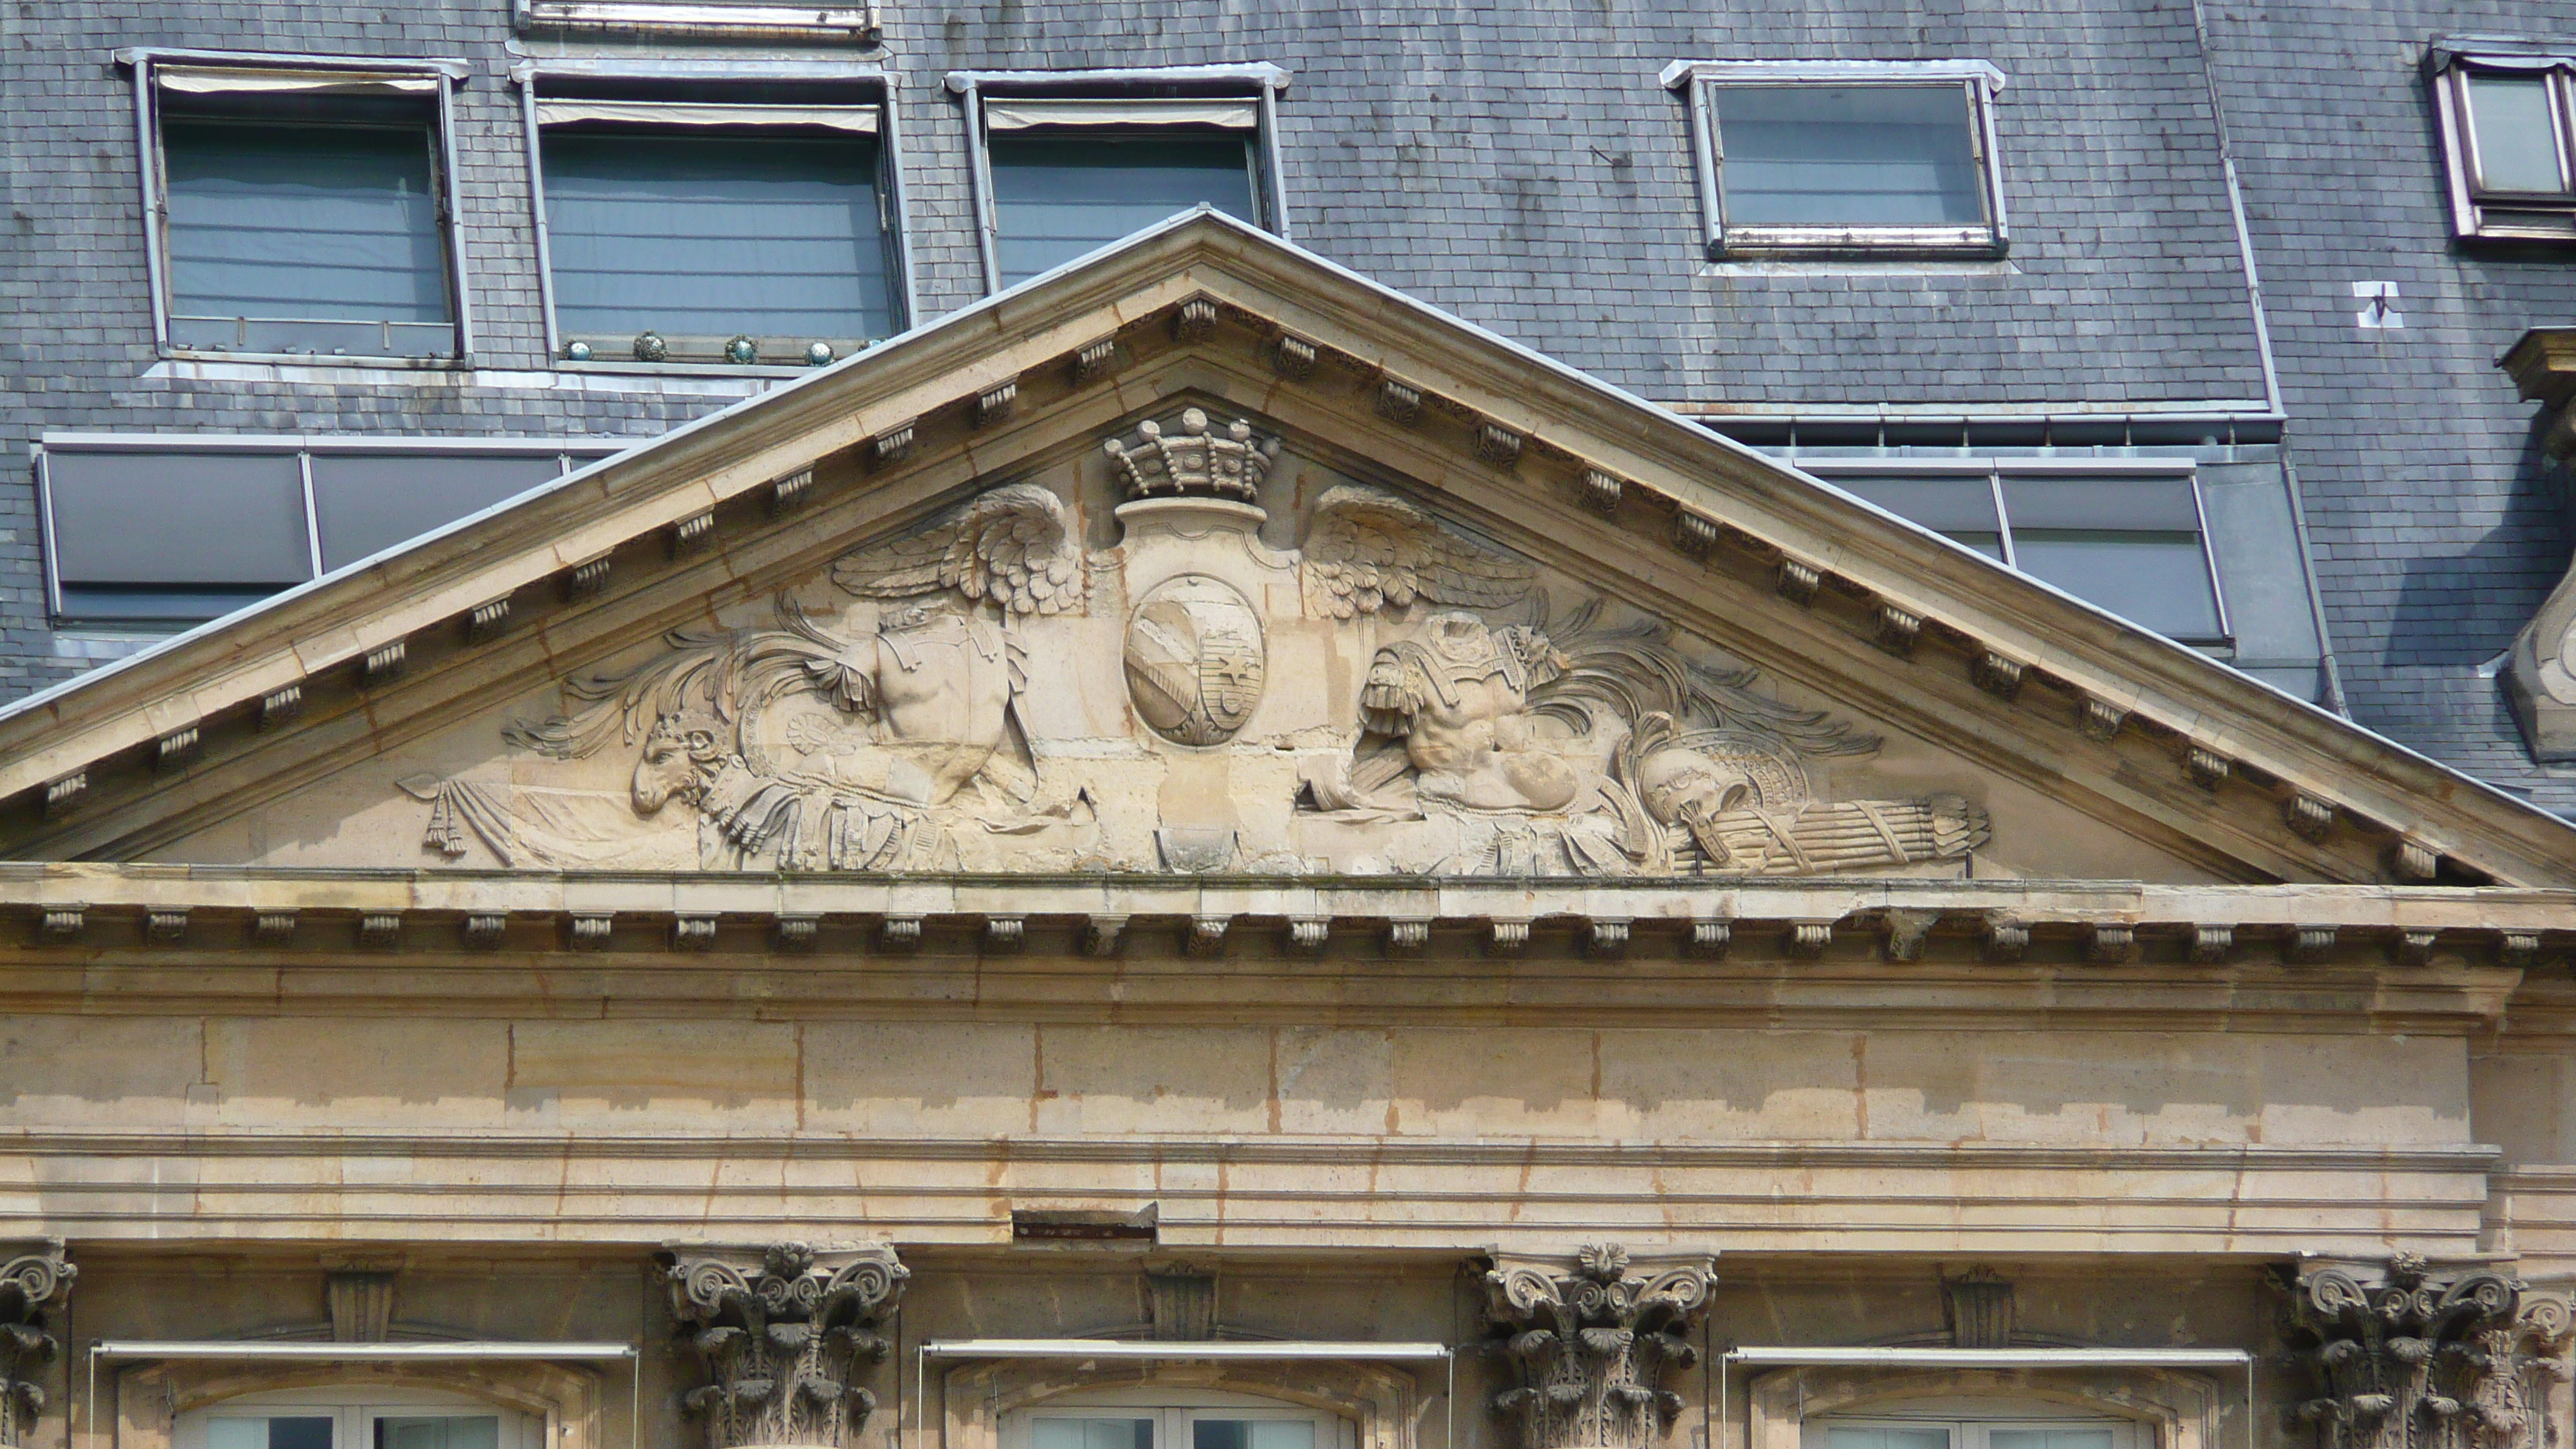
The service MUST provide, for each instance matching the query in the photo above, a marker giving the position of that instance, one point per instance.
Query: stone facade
(1212, 852)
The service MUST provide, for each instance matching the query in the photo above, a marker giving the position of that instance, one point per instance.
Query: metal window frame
(1769, 1356)
(1980, 80)
(465, 1351)
(1995, 469)
(2456, 114)
(301, 448)
(150, 172)
(1260, 82)
(894, 205)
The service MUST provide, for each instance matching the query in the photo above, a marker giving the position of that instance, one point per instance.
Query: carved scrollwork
(32, 1284)
(2415, 1361)
(783, 1334)
(1590, 1346)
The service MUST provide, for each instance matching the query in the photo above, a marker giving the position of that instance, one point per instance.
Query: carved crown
(1198, 463)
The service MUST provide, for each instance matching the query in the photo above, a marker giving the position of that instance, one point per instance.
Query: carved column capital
(783, 1332)
(35, 1279)
(2407, 1358)
(1590, 1341)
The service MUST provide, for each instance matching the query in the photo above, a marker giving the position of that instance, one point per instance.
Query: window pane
(1056, 197)
(1046, 1433)
(236, 1434)
(1848, 156)
(442, 1431)
(1841, 1436)
(1960, 509)
(701, 238)
(2148, 503)
(366, 504)
(1282, 1433)
(175, 537)
(2159, 580)
(2049, 1438)
(299, 1432)
(2517, 141)
(305, 238)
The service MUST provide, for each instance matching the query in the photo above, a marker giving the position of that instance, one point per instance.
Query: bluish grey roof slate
(1518, 164)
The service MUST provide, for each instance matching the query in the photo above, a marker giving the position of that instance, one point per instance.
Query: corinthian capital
(2407, 1358)
(34, 1280)
(783, 1333)
(1591, 1340)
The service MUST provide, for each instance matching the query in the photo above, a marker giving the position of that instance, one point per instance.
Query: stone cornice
(1921, 955)
(2302, 794)
(274, 1144)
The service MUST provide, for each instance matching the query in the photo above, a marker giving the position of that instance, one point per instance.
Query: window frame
(1259, 83)
(894, 203)
(1995, 470)
(354, 1408)
(1975, 1430)
(2481, 212)
(151, 169)
(1980, 80)
(571, 455)
(1172, 1409)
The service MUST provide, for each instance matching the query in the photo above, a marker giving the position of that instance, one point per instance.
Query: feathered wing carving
(1012, 545)
(1369, 550)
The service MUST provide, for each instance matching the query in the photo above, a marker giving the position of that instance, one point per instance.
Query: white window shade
(862, 120)
(228, 80)
(1021, 114)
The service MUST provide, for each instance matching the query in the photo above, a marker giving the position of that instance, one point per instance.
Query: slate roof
(1515, 162)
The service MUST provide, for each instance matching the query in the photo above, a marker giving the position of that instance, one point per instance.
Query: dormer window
(2509, 137)
(1070, 162)
(1844, 158)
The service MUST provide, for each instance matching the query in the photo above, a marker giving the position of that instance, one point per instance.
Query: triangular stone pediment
(1209, 559)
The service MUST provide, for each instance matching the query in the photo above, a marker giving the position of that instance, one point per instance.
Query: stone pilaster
(34, 1280)
(2408, 1359)
(783, 1333)
(1591, 1341)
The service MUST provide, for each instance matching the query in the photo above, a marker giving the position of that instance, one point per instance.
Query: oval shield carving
(1195, 660)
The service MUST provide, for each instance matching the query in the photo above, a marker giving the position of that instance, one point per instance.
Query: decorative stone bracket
(34, 1280)
(1590, 1347)
(783, 1333)
(2541, 672)
(2415, 1361)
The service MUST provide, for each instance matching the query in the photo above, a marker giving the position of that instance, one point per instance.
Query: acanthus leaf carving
(783, 1334)
(35, 1280)
(2407, 1359)
(1590, 1344)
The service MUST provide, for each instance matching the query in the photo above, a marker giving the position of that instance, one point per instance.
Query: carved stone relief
(1431, 714)
(1591, 1345)
(783, 1334)
(32, 1285)
(2418, 1361)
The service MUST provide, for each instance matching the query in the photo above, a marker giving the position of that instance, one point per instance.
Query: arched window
(1971, 1423)
(1175, 1417)
(373, 1416)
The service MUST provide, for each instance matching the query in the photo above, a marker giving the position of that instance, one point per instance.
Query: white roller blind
(1019, 115)
(861, 119)
(309, 82)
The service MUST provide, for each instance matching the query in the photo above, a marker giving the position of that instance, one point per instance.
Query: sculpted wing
(1012, 545)
(1370, 550)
